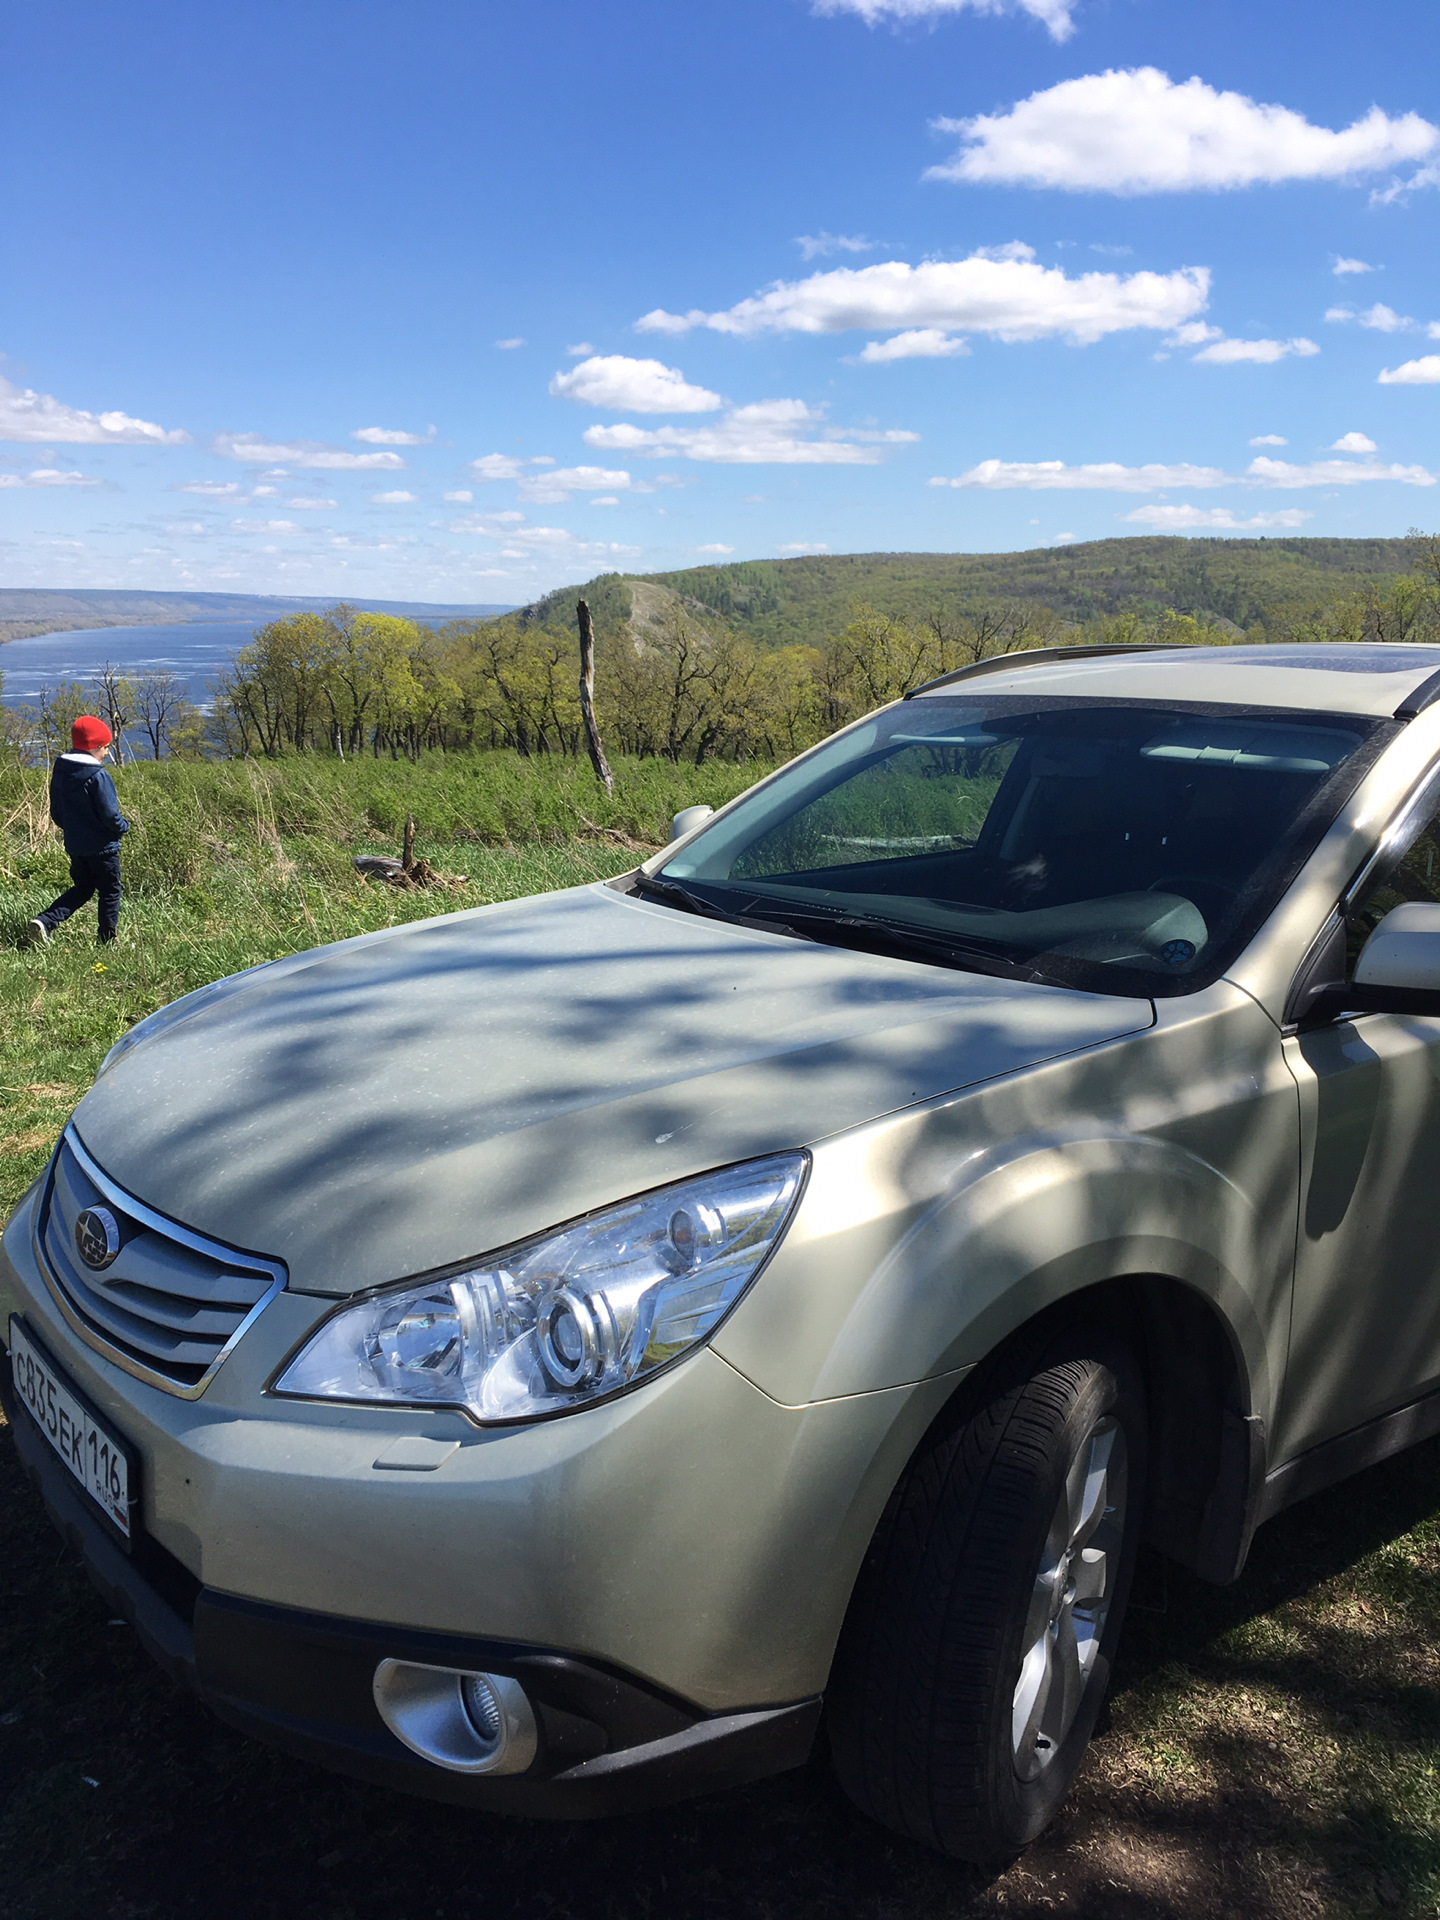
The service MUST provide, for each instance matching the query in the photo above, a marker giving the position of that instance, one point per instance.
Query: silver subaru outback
(566, 1356)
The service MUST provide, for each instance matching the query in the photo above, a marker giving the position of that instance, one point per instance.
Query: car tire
(978, 1645)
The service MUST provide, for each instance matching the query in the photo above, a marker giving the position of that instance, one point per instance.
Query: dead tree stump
(587, 697)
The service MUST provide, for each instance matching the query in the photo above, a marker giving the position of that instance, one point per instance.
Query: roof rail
(1035, 656)
(1418, 698)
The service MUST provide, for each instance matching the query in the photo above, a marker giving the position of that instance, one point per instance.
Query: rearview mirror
(687, 820)
(1399, 966)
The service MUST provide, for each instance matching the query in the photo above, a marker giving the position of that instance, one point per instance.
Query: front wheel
(978, 1645)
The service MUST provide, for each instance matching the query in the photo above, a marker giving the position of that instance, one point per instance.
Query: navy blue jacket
(84, 807)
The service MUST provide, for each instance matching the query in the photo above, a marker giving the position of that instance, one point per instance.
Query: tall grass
(188, 814)
(232, 863)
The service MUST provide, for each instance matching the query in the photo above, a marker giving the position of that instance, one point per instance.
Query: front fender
(928, 1237)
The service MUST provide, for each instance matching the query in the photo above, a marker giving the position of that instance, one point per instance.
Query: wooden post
(587, 697)
(407, 853)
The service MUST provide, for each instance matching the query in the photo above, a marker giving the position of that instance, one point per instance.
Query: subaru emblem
(97, 1237)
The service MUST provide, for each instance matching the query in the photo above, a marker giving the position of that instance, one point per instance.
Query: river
(196, 652)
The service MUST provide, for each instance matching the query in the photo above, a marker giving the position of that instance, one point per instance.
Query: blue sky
(460, 301)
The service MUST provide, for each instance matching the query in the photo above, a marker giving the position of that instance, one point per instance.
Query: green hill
(26, 612)
(779, 602)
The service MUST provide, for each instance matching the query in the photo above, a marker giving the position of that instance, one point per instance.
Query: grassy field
(1272, 1749)
(231, 863)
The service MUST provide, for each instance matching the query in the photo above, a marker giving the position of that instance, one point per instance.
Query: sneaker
(35, 934)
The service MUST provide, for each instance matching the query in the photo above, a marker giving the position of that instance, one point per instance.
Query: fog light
(468, 1722)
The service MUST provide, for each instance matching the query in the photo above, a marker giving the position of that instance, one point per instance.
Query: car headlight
(567, 1318)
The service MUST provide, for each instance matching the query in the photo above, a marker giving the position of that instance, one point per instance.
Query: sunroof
(1343, 657)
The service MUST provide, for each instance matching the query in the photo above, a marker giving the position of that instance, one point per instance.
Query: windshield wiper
(967, 955)
(674, 895)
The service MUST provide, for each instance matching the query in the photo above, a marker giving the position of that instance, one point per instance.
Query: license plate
(97, 1459)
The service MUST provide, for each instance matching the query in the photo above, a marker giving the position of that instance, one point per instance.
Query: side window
(1414, 875)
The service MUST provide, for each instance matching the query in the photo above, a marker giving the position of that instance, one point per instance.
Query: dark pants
(92, 873)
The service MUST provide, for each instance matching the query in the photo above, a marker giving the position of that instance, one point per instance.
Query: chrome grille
(170, 1304)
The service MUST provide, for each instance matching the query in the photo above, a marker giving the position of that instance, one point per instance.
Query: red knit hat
(88, 735)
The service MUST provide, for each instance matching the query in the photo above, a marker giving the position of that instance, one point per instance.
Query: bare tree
(159, 700)
(115, 697)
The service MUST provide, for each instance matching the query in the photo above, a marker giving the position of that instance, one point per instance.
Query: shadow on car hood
(420, 1096)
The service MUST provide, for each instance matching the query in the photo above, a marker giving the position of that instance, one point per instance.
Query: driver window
(1413, 875)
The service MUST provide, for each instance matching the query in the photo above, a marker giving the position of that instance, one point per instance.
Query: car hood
(417, 1097)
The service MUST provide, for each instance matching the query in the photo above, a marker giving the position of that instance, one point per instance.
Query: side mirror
(689, 818)
(1399, 966)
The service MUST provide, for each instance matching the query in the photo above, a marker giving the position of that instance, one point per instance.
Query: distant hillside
(779, 602)
(26, 611)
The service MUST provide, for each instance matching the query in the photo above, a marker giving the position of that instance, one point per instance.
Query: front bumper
(301, 1681)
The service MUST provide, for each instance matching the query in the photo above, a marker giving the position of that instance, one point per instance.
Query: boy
(84, 807)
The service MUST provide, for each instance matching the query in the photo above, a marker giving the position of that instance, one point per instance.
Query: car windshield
(1119, 846)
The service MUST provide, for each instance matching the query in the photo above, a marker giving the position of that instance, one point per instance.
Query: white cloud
(633, 386)
(48, 477)
(27, 415)
(1007, 250)
(1112, 477)
(461, 495)
(1384, 319)
(605, 500)
(307, 503)
(916, 343)
(1332, 473)
(1138, 131)
(397, 499)
(1099, 476)
(1424, 372)
(509, 346)
(248, 447)
(1260, 353)
(211, 489)
(507, 466)
(804, 546)
(1343, 266)
(1053, 14)
(1011, 297)
(1353, 443)
(778, 432)
(1214, 519)
(374, 543)
(482, 522)
(715, 546)
(1397, 189)
(579, 350)
(558, 484)
(266, 526)
(1269, 440)
(1195, 333)
(820, 246)
(556, 539)
(393, 437)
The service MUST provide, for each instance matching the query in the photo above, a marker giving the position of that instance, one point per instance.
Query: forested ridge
(1249, 583)
(746, 663)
